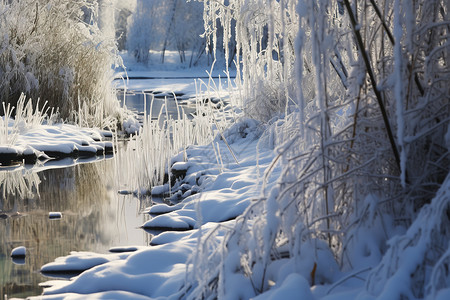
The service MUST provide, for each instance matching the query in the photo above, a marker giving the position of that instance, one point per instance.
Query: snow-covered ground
(31, 135)
(45, 142)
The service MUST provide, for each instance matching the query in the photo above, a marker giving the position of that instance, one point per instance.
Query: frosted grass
(144, 160)
(26, 116)
(55, 51)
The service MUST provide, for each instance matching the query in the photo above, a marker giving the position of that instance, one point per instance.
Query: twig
(347, 278)
(36, 19)
(226, 143)
(373, 81)
(391, 38)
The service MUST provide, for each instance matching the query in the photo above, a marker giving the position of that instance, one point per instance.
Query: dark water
(94, 218)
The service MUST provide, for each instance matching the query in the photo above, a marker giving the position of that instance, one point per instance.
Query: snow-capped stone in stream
(175, 223)
(125, 192)
(180, 166)
(19, 252)
(159, 209)
(54, 215)
(179, 169)
(122, 249)
(160, 190)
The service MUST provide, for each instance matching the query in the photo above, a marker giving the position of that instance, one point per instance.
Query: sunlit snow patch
(78, 262)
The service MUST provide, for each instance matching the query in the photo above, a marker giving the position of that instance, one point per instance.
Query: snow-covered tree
(361, 92)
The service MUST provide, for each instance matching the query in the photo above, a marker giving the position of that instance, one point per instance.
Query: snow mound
(293, 286)
(79, 261)
(164, 222)
(55, 141)
(131, 125)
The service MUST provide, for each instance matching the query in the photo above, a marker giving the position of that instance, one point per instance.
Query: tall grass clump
(54, 51)
(362, 147)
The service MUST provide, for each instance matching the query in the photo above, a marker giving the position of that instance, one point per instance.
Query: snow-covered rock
(19, 252)
(55, 215)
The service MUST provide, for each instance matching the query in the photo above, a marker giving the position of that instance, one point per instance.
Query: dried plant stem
(373, 81)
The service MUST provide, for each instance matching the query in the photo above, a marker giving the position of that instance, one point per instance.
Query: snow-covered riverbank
(226, 183)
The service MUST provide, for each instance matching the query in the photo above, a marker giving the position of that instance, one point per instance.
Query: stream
(94, 218)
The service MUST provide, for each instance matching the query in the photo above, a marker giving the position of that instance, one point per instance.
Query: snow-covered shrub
(419, 258)
(362, 152)
(50, 51)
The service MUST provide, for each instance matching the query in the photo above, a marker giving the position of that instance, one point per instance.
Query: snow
(131, 125)
(55, 215)
(57, 141)
(162, 208)
(99, 296)
(156, 271)
(293, 286)
(159, 270)
(225, 191)
(180, 166)
(160, 190)
(170, 223)
(223, 179)
(18, 252)
(80, 261)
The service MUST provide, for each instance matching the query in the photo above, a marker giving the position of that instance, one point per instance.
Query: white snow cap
(19, 252)
(55, 215)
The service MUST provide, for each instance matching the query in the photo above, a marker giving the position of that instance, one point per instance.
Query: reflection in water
(16, 182)
(94, 218)
(156, 107)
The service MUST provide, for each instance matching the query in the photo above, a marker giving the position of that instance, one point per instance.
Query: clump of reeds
(54, 51)
(25, 116)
